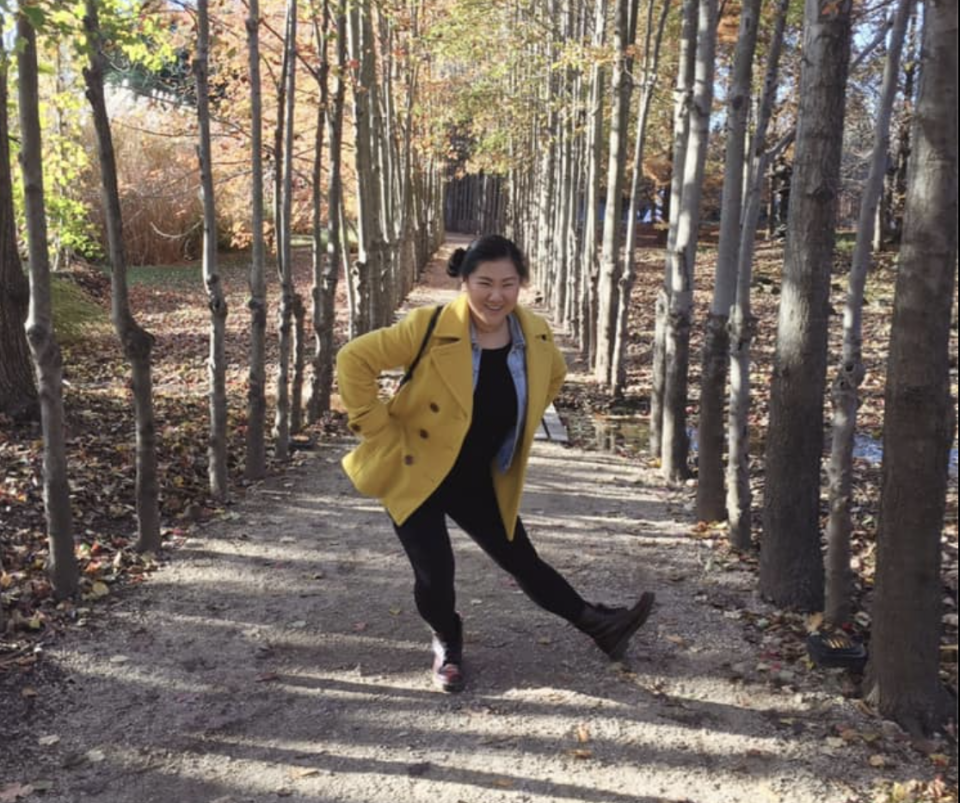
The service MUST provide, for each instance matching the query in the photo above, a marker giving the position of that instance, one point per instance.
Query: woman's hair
(488, 248)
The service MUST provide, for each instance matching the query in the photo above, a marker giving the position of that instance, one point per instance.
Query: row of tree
(555, 182)
(397, 211)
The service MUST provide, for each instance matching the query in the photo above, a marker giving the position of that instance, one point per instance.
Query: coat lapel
(451, 356)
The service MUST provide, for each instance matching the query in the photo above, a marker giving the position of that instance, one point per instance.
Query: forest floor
(272, 650)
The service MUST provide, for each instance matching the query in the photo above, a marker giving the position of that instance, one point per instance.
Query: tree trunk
(651, 62)
(299, 361)
(62, 561)
(326, 260)
(711, 502)
(256, 449)
(282, 422)
(850, 372)
(137, 343)
(791, 563)
(611, 268)
(686, 63)
(920, 416)
(676, 442)
(742, 323)
(364, 270)
(18, 390)
(217, 451)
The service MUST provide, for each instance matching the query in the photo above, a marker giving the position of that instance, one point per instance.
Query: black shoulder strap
(423, 346)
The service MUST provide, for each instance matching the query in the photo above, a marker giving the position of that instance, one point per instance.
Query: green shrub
(74, 312)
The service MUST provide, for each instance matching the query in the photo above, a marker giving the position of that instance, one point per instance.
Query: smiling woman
(455, 442)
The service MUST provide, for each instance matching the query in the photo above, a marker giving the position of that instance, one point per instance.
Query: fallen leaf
(580, 753)
(95, 756)
(28, 691)
(305, 772)
(583, 734)
(15, 791)
(503, 783)
(359, 627)
(47, 741)
(876, 760)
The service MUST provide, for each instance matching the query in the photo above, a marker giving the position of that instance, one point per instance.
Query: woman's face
(492, 291)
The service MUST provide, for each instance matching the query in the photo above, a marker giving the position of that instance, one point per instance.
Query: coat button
(435, 407)
(424, 434)
(408, 459)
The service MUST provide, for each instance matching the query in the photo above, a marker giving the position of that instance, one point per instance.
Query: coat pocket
(374, 466)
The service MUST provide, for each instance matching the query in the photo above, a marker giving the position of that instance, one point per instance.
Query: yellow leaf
(814, 621)
(100, 589)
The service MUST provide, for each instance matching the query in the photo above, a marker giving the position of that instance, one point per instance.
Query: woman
(454, 441)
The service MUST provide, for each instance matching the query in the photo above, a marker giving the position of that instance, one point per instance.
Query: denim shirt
(516, 364)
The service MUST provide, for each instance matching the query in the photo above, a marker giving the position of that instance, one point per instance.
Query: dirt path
(277, 655)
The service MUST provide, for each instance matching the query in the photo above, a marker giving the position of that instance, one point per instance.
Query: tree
(651, 61)
(678, 321)
(216, 300)
(850, 372)
(255, 463)
(18, 390)
(742, 323)
(920, 416)
(327, 258)
(686, 62)
(624, 36)
(791, 563)
(62, 565)
(711, 502)
(137, 342)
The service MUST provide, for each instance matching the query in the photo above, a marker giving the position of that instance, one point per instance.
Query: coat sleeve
(360, 362)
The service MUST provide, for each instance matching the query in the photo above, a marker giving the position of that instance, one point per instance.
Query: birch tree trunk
(624, 36)
(62, 561)
(742, 324)
(651, 62)
(920, 416)
(18, 390)
(676, 442)
(255, 463)
(282, 422)
(846, 384)
(686, 63)
(791, 563)
(137, 343)
(326, 259)
(711, 502)
(363, 270)
(216, 301)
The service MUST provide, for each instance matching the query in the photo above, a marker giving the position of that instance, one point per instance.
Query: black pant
(472, 504)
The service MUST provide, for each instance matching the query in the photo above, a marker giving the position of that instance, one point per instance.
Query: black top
(494, 413)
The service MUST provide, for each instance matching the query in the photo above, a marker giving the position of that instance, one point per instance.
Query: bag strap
(423, 346)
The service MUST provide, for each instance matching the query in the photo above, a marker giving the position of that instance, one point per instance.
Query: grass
(74, 312)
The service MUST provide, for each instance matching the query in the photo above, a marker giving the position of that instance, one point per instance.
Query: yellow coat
(411, 442)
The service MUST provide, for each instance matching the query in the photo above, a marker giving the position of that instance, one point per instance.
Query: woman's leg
(426, 541)
(473, 505)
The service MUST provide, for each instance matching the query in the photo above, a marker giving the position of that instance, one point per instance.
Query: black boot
(612, 628)
(448, 659)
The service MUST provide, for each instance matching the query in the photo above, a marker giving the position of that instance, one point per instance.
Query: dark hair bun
(456, 262)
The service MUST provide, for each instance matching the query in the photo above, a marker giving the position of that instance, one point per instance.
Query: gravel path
(277, 655)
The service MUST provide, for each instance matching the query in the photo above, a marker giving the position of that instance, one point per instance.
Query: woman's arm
(360, 362)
